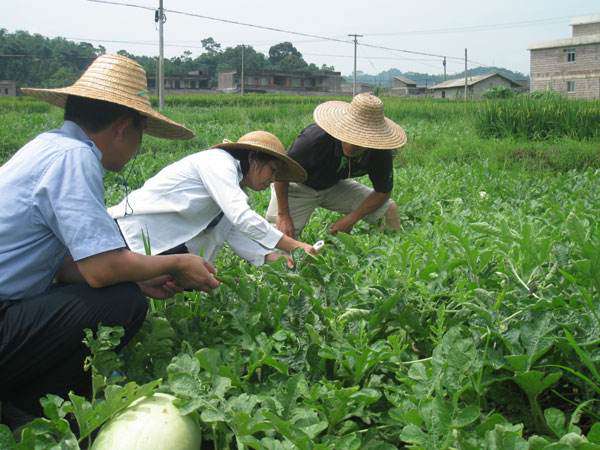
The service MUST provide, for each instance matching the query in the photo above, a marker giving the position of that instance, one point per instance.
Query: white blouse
(176, 205)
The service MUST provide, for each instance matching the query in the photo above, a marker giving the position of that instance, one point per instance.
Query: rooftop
(584, 20)
(405, 80)
(458, 82)
(568, 42)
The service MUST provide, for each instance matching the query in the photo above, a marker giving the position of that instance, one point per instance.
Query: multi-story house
(570, 66)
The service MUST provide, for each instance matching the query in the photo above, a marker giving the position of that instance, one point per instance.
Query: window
(570, 86)
(570, 54)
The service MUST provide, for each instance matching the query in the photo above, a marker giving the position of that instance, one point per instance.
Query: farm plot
(476, 326)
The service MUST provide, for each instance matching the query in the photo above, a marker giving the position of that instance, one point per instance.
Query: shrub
(498, 92)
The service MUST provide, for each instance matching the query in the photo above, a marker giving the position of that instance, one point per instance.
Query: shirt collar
(72, 130)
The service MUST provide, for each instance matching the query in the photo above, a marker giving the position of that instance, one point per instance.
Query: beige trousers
(344, 197)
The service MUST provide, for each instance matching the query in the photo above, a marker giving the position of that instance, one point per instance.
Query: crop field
(476, 326)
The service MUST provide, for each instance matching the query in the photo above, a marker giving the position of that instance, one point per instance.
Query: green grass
(539, 118)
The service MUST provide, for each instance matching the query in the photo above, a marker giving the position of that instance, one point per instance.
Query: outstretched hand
(344, 225)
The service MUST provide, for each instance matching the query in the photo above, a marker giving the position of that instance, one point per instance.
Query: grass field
(477, 326)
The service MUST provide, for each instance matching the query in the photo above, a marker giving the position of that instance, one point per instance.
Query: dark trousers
(41, 349)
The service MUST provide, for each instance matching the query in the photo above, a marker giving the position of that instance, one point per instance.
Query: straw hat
(265, 142)
(116, 79)
(360, 123)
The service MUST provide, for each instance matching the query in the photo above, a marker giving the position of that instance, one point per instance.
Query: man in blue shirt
(64, 265)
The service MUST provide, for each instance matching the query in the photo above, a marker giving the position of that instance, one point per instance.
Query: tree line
(36, 60)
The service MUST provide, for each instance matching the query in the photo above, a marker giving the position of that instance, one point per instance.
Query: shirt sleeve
(69, 199)
(221, 181)
(381, 171)
(246, 248)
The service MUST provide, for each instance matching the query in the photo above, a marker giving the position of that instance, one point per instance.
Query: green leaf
(209, 359)
(594, 434)
(90, 417)
(210, 415)
(518, 363)
(534, 382)
(295, 435)
(506, 437)
(349, 442)
(584, 356)
(555, 419)
(366, 396)
(413, 435)
(7, 441)
(466, 416)
(308, 421)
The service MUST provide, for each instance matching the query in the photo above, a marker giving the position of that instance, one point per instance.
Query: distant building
(346, 87)
(570, 66)
(8, 88)
(276, 81)
(192, 81)
(476, 86)
(403, 87)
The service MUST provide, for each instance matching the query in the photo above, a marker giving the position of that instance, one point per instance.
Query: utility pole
(444, 63)
(242, 77)
(160, 18)
(356, 36)
(466, 74)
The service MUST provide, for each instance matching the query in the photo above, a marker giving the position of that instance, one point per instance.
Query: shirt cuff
(79, 253)
(272, 237)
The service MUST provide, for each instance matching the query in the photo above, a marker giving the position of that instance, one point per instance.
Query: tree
(210, 46)
(280, 51)
(292, 63)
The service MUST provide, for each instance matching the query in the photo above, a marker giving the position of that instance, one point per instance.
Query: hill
(384, 79)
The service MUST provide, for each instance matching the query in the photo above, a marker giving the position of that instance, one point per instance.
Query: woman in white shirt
(197, 203)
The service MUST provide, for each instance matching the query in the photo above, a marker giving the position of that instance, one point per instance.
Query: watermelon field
(476, 326)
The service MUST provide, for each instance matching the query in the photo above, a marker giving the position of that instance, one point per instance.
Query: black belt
(213, 223)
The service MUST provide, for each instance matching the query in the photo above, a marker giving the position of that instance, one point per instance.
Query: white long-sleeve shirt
(176, 205)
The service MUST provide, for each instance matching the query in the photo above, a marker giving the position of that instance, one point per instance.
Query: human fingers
(212, 269)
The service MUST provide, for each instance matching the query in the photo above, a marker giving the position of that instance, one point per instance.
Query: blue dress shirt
(51, 203)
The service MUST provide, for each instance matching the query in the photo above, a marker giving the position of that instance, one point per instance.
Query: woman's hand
(275, 256)
(308, 248)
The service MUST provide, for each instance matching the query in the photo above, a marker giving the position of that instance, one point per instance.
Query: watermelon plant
(475, 326)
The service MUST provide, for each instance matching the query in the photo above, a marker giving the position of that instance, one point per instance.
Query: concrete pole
(444, 63)
(356, 36)
(242, 77)
(466, 74)
(161, 73)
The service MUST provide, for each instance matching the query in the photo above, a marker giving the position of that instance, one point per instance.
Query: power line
(280, 30)
(505, 25)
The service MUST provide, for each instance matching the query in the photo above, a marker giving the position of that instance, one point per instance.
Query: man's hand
(195, 273)
(275, 256)
(344, 225)
(285, 224)
(161, 287)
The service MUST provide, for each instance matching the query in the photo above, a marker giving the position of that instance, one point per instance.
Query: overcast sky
(438, 27)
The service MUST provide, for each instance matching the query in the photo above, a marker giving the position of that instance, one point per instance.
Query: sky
(495, 32)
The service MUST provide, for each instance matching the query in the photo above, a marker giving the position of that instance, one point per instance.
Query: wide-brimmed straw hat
(265, 142)
(360, 123)
(120, 80)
